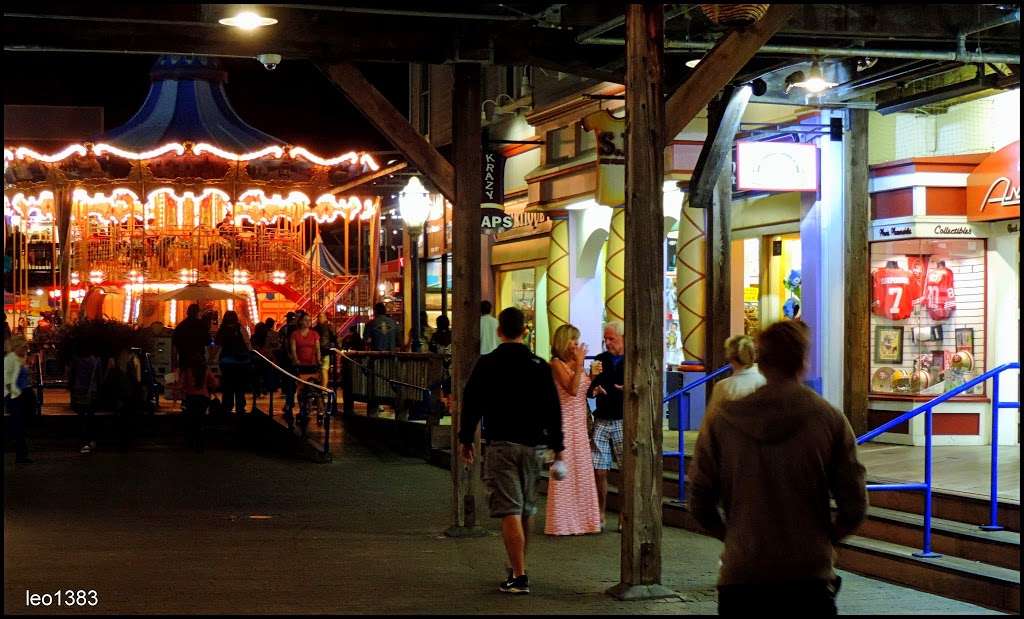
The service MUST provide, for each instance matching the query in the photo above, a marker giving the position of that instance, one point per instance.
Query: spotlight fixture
(813, 82)
(247, 20)
(692, 63)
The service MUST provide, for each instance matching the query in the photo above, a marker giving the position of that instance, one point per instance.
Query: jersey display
(939, 296)
(917, 266)
(891, 295)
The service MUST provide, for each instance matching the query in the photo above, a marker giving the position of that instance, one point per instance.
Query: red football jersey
(939, 297)
(917, 266)
(891, 295)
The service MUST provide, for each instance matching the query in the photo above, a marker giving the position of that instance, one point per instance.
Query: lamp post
(414, 204)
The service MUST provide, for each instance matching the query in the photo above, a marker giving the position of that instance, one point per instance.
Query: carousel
(185, 203)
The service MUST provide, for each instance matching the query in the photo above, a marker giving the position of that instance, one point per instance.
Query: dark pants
(234, 377)
(195, 410)
(86, 416)
(19, 409)
(811, 598)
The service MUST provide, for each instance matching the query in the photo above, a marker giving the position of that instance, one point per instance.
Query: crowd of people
(770, 456)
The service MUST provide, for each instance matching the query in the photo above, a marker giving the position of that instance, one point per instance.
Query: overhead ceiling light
(694, 62)
(247, 20)
(813, 82)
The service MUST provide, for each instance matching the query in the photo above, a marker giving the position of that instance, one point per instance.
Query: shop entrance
(769, 268)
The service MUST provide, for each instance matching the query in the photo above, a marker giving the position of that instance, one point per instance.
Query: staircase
(319, 291)
(980, 567)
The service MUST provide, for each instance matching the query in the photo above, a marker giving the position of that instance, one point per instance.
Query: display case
(928, 316)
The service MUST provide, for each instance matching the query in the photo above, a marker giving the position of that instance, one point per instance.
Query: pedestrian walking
(86, 376)
(191, 335)
(771, 462)
(17, 390)
(745, 379)
(572, 501)
(328, 340)
(235, 362)
(198, 384)
(304, 344)
(284, 357)
(488, 328)
(606, 388)
(517, 419)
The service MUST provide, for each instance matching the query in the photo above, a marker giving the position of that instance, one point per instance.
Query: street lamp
(414, 204)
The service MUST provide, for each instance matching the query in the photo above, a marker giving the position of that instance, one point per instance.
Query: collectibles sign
(935, 229)
(493, 218)
(993, 188)
(610, 134)
(776, 166)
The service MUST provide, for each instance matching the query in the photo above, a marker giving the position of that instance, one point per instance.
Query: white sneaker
(86, 449)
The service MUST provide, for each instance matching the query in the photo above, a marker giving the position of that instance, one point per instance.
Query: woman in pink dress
(572, 502)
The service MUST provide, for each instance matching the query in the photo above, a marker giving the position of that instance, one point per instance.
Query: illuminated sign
(993, 188)
(776, 166)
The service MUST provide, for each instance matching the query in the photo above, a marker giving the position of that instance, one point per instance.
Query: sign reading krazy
(610, 134)
(776, 166)
(492, 217)
(993, 188)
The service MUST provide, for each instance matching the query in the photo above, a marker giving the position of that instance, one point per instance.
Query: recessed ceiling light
(247, 20)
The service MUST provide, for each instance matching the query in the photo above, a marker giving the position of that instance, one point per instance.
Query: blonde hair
(560, 341)
(740, 348)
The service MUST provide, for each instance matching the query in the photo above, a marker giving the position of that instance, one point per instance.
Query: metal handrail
(332, 400)
(928, 408)
(679, 393)
(367, 370)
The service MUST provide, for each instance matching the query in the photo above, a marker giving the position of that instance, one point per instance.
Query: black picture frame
(965, 339)
(888, 345)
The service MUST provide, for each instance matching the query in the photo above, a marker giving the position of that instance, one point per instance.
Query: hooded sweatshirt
(772, 460)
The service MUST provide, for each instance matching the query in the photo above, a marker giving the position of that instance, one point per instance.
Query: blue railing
(927, 408)
(684, 395)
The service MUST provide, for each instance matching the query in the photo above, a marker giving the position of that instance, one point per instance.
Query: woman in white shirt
(745, 379)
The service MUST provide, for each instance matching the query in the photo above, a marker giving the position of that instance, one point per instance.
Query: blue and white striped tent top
(187, 103)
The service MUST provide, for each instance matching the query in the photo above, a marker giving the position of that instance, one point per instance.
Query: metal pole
(414, 301)
(685, 397)
(993, 524)
(926, 551)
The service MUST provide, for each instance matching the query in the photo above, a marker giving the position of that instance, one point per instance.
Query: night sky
(295, 103)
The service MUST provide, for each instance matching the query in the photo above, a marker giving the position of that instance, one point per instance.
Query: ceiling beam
(393, 126)
(719, 67)
(366, 178)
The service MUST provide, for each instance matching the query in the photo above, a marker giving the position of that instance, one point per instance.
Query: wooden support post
(394, 126)
(640, 566)
(63, 203)
(855, 251)
(711, 189)
(466, 146)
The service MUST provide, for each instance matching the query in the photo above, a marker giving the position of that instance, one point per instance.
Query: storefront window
(927, 315)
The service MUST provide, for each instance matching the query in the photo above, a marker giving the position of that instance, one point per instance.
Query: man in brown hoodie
(771, 461)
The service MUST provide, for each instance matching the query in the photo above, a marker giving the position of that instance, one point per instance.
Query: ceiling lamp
(813, 82)
(692, 63)
(247, 20)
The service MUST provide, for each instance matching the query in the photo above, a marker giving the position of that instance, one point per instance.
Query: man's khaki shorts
(510, 473)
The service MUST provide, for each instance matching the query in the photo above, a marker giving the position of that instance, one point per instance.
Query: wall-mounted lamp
(496, 103)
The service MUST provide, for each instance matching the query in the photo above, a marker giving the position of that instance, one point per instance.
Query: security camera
(269, 61)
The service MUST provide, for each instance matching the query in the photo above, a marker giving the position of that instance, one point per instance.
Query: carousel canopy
(187, 103)
(318, 255)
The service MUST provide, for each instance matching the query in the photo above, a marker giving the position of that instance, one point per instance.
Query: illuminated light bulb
(247, 20)
(813, 83)
(694, 62)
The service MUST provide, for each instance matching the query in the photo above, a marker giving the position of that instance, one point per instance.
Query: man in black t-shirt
(513, 391)
(607, 388)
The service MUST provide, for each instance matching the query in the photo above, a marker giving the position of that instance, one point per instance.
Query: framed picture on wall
(888, 344)
(965, 340)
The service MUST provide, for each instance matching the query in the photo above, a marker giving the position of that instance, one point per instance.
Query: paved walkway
(170, 531)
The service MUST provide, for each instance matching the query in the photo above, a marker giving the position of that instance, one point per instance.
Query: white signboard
(776, 166)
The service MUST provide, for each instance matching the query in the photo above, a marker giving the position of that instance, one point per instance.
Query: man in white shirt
(488, 329)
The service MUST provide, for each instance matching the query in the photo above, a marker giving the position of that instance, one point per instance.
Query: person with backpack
(235, 362)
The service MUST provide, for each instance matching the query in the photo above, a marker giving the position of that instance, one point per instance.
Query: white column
(821, 239)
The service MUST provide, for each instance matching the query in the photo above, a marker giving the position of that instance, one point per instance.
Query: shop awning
(524, 250)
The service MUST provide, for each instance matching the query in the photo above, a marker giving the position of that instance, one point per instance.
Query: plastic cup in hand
(595, 368)
(559, 470)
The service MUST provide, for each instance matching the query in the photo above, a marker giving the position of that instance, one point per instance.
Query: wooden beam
(717, 148)
(858, 301)
(640, 566)
(366, 178)
(395, 127)
(719, 67)
(468, 156)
